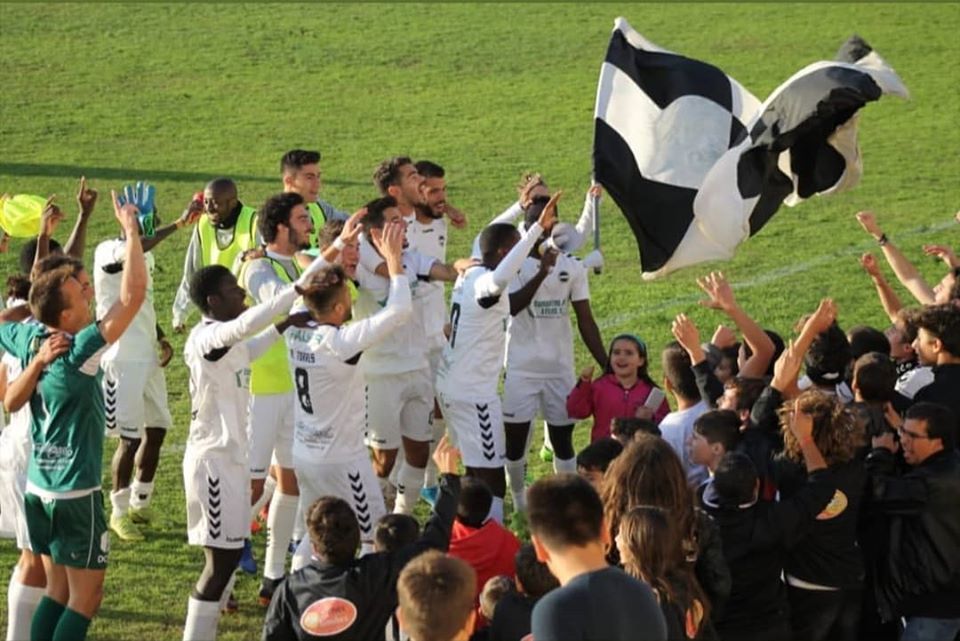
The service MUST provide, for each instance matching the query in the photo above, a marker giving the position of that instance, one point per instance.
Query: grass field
(179, 94)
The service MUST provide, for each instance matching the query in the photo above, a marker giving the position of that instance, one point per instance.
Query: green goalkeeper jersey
(68, 418)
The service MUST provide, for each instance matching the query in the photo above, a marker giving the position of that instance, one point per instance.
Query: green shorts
(71, 531)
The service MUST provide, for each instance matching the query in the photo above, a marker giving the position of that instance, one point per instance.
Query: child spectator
(624, 390)
(494, 590)
(714, 434)
(624, 429)
(437, 595)
(511, 620)
(677, 426)
(593, 460)
(394, 531)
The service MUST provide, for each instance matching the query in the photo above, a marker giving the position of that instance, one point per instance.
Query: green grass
(179, 94)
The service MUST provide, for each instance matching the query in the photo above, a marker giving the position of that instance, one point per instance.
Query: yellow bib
(212, 253)
(270, 374)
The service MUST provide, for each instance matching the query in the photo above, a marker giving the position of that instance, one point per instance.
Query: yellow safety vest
(270, 374)
(319, 220)
(244, 237)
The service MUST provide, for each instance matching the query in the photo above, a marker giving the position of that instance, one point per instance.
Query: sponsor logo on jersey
(563, 276)
(328, 616)
(835, 507)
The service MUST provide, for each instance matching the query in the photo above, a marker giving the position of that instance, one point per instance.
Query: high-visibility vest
(319, 220)
(244, 237)
(270, 374)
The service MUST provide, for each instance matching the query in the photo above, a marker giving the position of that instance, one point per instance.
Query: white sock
(283, 511)
(389, 492)
(409, 484)
(140, 493)
(564, 465)
(202, 620)
(546, 437)
(120, 501)
(269, 486)
(22, 601)
(225, 596)
(302, 556)
(299, 523)
(516, 479)
(496, 510)
(431, 477)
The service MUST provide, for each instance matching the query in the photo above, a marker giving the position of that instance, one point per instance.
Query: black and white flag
(697, 164)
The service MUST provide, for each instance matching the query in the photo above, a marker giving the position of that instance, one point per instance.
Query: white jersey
(15, 439)
(406, 349)
(479, 309)
(139, 342)
(329, 410)
(430, 239)
(539, 337)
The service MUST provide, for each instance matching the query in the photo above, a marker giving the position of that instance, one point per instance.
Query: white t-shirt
(261, 280)
(139, 342)
(15, 440)
(406, 349)
(430, 239)
(914, 380)
(329, 410)
(677, 430)
(539, 337)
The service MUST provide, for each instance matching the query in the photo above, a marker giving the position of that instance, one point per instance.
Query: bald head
(220, 200)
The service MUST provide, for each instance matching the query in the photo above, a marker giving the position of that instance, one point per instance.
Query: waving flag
(697, 164)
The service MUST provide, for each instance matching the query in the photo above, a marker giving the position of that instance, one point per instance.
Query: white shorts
(355, 482)
(398, 405)
(12, 519)
(218, 502)
(523, 397)
(135, 397)
(270, 432)
(476, 428)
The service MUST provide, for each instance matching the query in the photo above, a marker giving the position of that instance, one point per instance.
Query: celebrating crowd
(772, 485)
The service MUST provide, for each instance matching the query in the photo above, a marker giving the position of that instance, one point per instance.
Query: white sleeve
(587, 219)
(369, 257)
(259, 344)
(191, 264)
(318, 263)
(359, 335)
(579, 287)
(260, 280)
(509, 215)
(494, 282)
(422, 263)
(253, 320)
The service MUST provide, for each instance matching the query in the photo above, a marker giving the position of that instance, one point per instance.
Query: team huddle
(333, 387)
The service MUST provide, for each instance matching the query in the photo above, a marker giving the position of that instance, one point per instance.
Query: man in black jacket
(917, 568)
(341, 597)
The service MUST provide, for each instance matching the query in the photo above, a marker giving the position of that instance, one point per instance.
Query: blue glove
(141, 196)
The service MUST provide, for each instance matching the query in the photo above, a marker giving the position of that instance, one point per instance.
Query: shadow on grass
(124, 173)
(173, 619)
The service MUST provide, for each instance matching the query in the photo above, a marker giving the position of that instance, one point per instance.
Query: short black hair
(875, 377)
(29, 251)
(429, 169)
(864, 339)
(719, 426)
(599, 454)
(943, 321)
(329, 233)
(296, 159)
(625, 427)
(387, 173)
(374, 218)
(395, 531)
(941, 422)
(748, 390)
(735, 479)
(564, 510)
(18, 287)
(275, 212)
(473, 506)
(534, 576)
(678, 369)
(205, 282)
(496, 236)
(828, 358)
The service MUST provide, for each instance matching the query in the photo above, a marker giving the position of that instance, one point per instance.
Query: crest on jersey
(563, 276)
(328, 616)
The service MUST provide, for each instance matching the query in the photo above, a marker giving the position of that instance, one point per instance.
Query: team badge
(327, 617)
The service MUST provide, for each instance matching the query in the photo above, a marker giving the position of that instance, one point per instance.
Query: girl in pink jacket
(622, 392)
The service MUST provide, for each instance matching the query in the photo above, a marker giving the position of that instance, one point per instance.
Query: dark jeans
(817, 615)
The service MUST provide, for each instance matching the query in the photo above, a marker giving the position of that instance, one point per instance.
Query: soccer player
(397, 371)
(286, 226)
(301, 174)
(472, 360)
(219, 352)
(134, 387)
(63, 503)
(226, 231)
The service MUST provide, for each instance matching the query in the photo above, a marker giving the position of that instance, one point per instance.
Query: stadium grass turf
(178, 94)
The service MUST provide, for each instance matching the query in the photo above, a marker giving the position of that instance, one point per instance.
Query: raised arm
(49, 220)
(191, 265)
(133, 284)
(687, 334)
(720, 296)
(588, 217)
(888, 298)
(906, 272)
(86, 201)
(19, 390)
(520, 299)
(189, 217)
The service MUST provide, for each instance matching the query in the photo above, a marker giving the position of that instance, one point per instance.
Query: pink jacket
(606, 400)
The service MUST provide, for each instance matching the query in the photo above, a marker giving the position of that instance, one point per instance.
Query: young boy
(511, 618)
(714, 434)
(594, 459)
(436, 595)
(595, 601)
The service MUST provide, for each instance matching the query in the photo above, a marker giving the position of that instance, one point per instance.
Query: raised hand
(787, 369)
(821, 320)
(720, 294)
(54, 345)
(723, 337)
(389, 242)
(447, 457)
(869, 263)
(126, 214)
(50, 217)
(192, 213)
(526, 190)
(944, 253)
(351, 228)
(86, 198)
(548, 217)
(596, 190)
(868, 221)
(586, 374)
(687, 334)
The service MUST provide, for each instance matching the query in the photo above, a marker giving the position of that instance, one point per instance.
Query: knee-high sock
(516, 479)
(120, 501)
(45, 618)
(299, 523)
(303, 554)
(269, 486)
(496, 510)
(409, 484)
(227, 591)
(140, 493)
(430, 478)
(564, 465)
(72, 626)
(202, 620)
(546, 437)
(283, 511)
(22, 601)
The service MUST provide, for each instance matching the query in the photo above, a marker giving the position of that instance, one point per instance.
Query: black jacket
(917, 565)
(359, 598)
(943, 389)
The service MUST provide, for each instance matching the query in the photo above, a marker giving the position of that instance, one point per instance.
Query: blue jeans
(928, 629)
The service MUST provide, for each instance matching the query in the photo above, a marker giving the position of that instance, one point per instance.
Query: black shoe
(267, 588)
